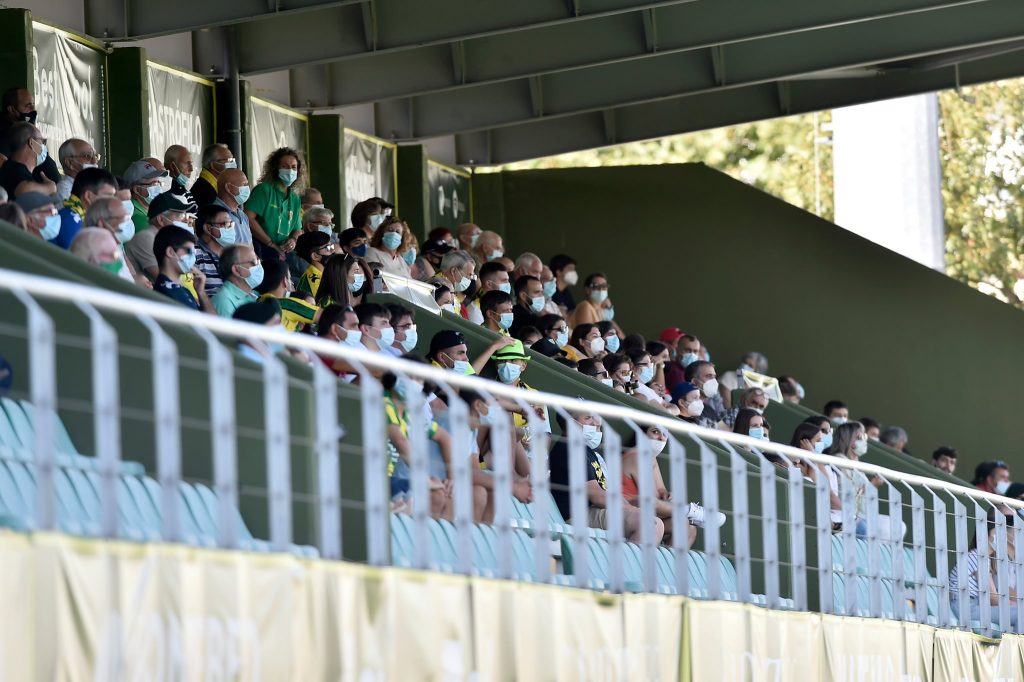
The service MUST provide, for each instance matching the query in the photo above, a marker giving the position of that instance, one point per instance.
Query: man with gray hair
(457, 271)
(97, 246)
(216, 159)
(527, 265)
(74, 155)
(314, 219)
(895, 437)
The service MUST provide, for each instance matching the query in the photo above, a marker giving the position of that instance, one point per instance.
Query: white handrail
(61, 290)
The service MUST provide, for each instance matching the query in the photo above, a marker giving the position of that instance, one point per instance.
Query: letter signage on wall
(180, 111)
(449, 195)
(369, 169)
(272, 126)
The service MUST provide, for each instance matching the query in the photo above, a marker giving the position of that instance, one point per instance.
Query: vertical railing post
(501, 455)
(540, 485)
(797, 536)
(223, 436)
(646, 461)
(462, 479)
(419, 469)
(278, 448)
(106, 385)
(578, 505)
(1018, 569)
(984, 566)
(823, 534)
(847, 491)
(770, 531)
(874, 552)
(712, 539)
(962, 594)
(740, 522)
(167, 412)
(940, 521)
(1002, 573)
(328, 434)
(611, 446)
(680, 524)
(920, 558)
(43, 393)
(896, 548)
(375, 468)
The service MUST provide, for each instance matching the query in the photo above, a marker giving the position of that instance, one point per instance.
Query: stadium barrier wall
(684, 245)
(80, 609)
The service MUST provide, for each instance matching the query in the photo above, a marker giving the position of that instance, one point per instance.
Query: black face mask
(29, 117)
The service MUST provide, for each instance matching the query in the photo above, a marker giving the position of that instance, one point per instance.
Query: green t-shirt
(278, 211)
(140, 216)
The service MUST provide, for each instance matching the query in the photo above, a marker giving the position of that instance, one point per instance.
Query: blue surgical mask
(609, 314)
(187, 262)
(549, 289)
(496, 254)
(326, 229)
(153, 191)
(826, 441)
(463, 284)
(646, 374)
(359, 250)
(409, 256)
(243, 194)
(387, 337)
(52, 227)
(462, 367)
(688, 359)
(611, 343)
(592, 436)
(820, 446)
(232, 164)
(375, 220)
(474, 239)
(756, 432)
(274, 347)
(255, 277)
(411, 337)
(505, 320)
(599, 295)
(182, 179)
(506, 287)
(562, 339)
(357, 284)
(125, 231)
(228, 236)
(537, 304)
(508, 372)
(287, 176)
(129, 207)
(41, 156)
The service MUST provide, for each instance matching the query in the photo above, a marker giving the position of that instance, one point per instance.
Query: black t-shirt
(558, 463)
(12, 174)
(564, 298)
(203, 192)
(522, 317)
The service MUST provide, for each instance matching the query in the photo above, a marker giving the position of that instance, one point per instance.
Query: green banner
(449, 196)
(180, 111)
(70, 81)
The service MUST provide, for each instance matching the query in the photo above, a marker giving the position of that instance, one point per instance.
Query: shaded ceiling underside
(518, 79)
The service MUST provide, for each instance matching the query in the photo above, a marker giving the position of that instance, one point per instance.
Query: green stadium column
(488, 201)
(326, 165)
(222, 124)
(128, 97)
(16, 49)
(413, 187)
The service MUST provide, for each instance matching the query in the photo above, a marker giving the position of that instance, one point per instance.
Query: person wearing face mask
(175, 251)
(274, 206)
(232, 194)
(98, 246)
(144, 179)
(597, 484)
(550, 287)
(620, 369)
(686, 352)
(612, 340)
(973, 562)
(368, 216)
(944, 458)
(702, 375)
(873, 428)
(837, 412)
(825, 426)
(318, 219)
(241, 271)
(643, 374)
(750, 422)
(586, 338)
(752, 398)
(178, 163)
(510, 362)
(529, 295)
(89, 185)
(457, 269)
(403, 320)
(345, 280)
(27, 148)
(339, 323)
(298, 312)
(313, 248)
(216, 159)
(468, 236)
(75, 155)
(386, 247)
(110, 214)
(661, 357)
(554, 328)
(496, 310)
(375, 324)
(597, 307)
(493, 277)
(807, 436)
(732, 380)
(165, 210)
(851, 442)
(687, 398)
(489, 246)
(448, 350)
(564, 269)
(992, 476)
(19, 106)
(792, 390)
(444, 298)
(595, 370)
(216, 232)
(41, 215)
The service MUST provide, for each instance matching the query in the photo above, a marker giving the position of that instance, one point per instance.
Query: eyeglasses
(329, 248)
(91, 157)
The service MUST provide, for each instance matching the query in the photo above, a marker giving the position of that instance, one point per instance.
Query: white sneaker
(697, 516)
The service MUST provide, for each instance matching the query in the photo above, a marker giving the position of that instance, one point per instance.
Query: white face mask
(1002, 487)
(571, 278)
(860, 447)
(592, 436)
(696, 408)
(597, 345)
(657, 446)
(353, 337)
(710, 388)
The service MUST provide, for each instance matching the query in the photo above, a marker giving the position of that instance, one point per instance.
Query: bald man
(232, 192)
(74, 155)
(178, 162)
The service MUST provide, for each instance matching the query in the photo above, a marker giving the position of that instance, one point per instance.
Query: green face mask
(113, 267)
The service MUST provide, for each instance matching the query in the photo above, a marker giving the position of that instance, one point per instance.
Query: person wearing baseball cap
(165, 209)
(686, 397)
(143, 179)
(510, 362)
(41, 215)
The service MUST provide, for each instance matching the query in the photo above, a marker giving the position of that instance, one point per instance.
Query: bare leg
(480, 499)
(632, 518)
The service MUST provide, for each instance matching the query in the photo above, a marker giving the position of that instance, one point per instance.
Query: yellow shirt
(310, 280)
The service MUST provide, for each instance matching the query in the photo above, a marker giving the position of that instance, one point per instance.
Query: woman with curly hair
(275, 204)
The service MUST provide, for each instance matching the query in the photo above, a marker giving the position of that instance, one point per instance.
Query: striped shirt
(972, 575)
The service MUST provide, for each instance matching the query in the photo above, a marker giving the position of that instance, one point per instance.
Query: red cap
(671, 334)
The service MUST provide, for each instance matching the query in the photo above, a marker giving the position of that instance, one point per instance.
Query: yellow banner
(92, 611)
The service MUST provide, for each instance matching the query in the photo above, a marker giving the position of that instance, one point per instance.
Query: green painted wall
(16, 49)
(128, 95)
(412, 187)
(685, 245)
(326, 165)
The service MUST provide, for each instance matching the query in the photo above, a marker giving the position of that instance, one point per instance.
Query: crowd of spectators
(272, 253)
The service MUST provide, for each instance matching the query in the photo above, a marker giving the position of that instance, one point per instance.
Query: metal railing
(779, 546)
